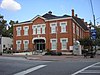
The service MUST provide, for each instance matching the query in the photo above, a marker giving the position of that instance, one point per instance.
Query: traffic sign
(93, 34)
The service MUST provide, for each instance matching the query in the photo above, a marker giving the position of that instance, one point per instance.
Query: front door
(39, 45)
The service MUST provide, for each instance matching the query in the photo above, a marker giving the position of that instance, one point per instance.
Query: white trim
(20, 28)
(54, 24)
(63, 22)
(38, 16)
(26, 30)
(42, 18)
(25, 27)
(35, 38)
(59, 19)
(18, 41)
(66, 43)
(22, 23)
(25, 40)
(53, 39)
(64, 26)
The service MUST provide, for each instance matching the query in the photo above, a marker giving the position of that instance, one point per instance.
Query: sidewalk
(51, 58)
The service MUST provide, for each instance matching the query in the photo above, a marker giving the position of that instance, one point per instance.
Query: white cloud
(11, 5)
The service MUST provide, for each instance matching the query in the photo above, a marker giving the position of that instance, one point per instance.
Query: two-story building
(56, 33)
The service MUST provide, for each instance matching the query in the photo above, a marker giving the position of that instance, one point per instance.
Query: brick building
(56, 33)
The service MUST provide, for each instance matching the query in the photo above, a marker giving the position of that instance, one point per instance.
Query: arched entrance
(39, 45)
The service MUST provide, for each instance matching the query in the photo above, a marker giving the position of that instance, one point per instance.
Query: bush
(59, 53)
(53, 53)
(0, 53)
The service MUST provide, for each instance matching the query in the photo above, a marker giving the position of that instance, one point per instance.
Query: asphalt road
(70, 66)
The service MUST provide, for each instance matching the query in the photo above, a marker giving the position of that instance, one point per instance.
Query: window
(18, 31)
(53, 44)
(26, 42)
(38, 29)
(18, 42)
(64, 43)
(43, 29)
(77, 30)
(63, 26)
(53, 27)
(34, 29)
(26, 30)
(73, 28)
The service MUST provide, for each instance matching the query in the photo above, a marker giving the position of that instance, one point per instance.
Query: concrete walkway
(51, 58)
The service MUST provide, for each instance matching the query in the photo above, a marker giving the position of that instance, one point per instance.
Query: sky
(25, 10)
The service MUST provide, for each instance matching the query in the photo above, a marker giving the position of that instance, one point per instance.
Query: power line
(92, 11)
(92, 7)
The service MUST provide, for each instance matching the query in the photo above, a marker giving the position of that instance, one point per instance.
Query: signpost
(93, 34)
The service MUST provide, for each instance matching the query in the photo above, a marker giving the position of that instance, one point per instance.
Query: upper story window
(18, 31)
(63, 26)
(77, 30)
(38, 29)
(26, 28)
(53, 27)
(74, 28)
(43, 29)
(34, 29)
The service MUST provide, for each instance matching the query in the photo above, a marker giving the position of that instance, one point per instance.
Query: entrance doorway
(39, 45)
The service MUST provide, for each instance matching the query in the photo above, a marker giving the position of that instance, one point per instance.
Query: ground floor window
(64, 43)
(53, 44)
(18, 42)
(26, 42)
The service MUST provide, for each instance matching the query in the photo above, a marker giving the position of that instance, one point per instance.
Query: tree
(3, 24)
(10, 30)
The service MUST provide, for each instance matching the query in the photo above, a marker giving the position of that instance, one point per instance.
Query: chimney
(86, 23)
(50, 12)
(72, 12)
(83, 20)
(76, 15)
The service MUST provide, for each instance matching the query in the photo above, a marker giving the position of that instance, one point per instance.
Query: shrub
(0, 53)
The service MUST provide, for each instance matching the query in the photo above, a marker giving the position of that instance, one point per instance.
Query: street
(67, 66)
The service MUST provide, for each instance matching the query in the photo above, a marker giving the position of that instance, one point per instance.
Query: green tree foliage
(3, 24)
(3, 27)
(10, 30)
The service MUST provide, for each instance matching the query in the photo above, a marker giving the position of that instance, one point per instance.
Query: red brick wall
(69, 34)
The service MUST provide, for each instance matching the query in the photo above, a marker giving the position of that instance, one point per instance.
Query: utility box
(5, 43)
(77, 48)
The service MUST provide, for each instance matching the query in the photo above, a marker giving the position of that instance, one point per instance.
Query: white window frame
(26, 44)
(18, 44)
(38, 29)
(77, 30)
(43, 29)
(53, 27)
(34, 27)
(74, 28)
(64, 46)
(63, 27)
(53, 45)
(18, 29)
(26, 28)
